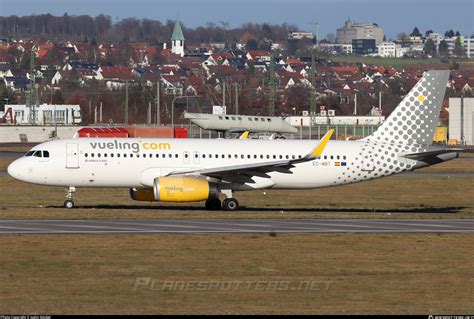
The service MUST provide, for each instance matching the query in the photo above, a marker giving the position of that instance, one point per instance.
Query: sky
(394, 16)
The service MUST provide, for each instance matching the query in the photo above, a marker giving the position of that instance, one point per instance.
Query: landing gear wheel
(213, 204)
(68, 204)
(230, 204)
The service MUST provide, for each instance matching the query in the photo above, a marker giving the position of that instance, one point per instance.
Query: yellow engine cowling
(176, 189)
(182, 189)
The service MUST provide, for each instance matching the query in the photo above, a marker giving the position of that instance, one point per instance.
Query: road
(192, 226)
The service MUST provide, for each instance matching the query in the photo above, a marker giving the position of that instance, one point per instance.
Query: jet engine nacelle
(176, 189)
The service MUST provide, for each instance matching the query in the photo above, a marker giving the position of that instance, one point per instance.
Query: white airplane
(188, 170)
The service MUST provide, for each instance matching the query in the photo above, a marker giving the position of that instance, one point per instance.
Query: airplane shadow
(420, 210)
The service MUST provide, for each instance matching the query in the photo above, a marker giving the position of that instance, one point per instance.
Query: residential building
(352, 30)
(335, 48)
(467, 43)
(387, 49)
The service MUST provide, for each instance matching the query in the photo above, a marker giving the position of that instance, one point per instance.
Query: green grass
(364, 274)
(402, 197)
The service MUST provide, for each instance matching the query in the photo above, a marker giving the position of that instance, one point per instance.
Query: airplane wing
(244, 173)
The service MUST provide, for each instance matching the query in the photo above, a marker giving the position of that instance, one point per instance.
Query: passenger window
(112, 155)
(163, 155)
(255, 156)
(281, 156)
(337, 157)
(226, 117)
(248, 156)
(256, 119)
(223, 156)
(274, 156)
(176, 155)
(203, 155)
(299, 156)
(325, 157)
(220, 117)
(240, 119)
(242, 156)
(250, 119)
(229, 156)
(170, 156)
(268, 156)
(118, 154)
(261, 156)
(99, 155)
(144, 155)
(236, 156)
(105, 155)
(287, 156)
(344, 157)
(45, 154)
(124, 155)
(85, 155)
(332, 157)
(151, 155)
(269, 120)
(196, 155)
(92, 155)
(233, 118)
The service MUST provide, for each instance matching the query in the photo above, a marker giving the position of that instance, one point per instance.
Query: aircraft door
(196, 157)
(72, 155)
(186, 158)
(368, 158)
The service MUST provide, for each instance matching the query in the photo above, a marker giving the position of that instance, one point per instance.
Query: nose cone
(18, 169)
(14, 170)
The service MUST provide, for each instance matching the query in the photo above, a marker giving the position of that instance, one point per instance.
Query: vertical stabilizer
(414, 120)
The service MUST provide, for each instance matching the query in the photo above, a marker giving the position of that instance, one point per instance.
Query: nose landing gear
(69, 202)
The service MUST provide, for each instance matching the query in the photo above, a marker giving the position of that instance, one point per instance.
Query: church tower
(177, 39)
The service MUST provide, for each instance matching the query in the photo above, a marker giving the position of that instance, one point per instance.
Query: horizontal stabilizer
(432, 156)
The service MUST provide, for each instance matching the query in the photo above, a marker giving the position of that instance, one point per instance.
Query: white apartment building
(387, 49)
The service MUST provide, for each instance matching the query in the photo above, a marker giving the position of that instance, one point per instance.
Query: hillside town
(301, 74)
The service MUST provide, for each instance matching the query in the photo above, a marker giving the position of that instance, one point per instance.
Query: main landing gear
(229, 204)
(69, 202)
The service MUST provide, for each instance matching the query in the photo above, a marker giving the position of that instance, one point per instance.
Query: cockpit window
(45, 154)
(37, 154)
(29, 153)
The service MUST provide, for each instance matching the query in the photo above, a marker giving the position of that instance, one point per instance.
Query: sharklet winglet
(318, 150)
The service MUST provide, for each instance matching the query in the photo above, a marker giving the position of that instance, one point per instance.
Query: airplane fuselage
(118, 162)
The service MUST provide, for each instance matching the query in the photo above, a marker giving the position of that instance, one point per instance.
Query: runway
(221, 226)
